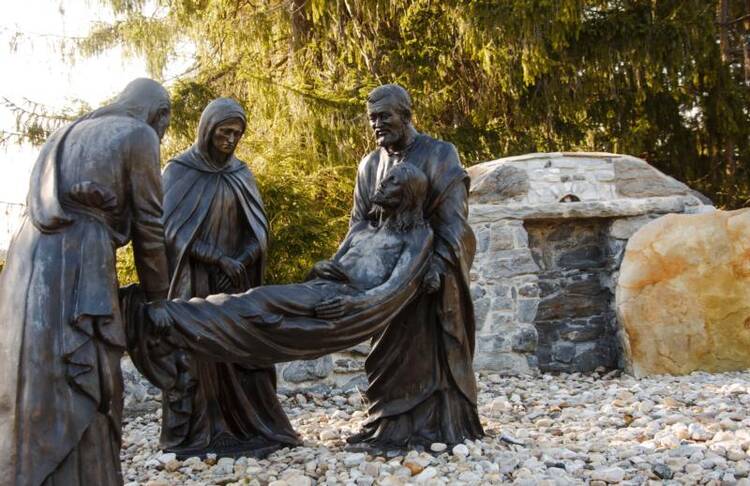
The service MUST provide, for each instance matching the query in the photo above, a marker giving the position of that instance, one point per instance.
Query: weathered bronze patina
(422, 387)
(217, 241)
(95, 186)
(346, 300)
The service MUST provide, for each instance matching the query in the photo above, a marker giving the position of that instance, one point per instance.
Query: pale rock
(299, 481)
(608, 475)
(681, 431)
(469, 477)
(354, 459)
(167, 457)
(723, 436)
(682, 294)
(370, 468)
(728, 478)
(460, 450)
(391, 481)
(438, 447)
(646, 406)
(736, 454)
(699, 433)
(426, 475)
(224, 467)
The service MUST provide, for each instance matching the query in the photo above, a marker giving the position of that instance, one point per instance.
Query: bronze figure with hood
(94, 187)
(217, 237)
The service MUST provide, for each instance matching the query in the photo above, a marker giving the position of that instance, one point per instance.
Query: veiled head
(220, 128)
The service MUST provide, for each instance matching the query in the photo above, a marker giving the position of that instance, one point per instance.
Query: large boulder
(683, 294)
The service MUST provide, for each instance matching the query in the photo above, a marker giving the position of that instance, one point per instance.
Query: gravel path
(569, 429)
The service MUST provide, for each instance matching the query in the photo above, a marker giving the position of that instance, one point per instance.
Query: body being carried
(346, 300)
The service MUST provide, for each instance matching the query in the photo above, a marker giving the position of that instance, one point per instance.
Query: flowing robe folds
(421, 380)
(95, 185)
(278, 323)
(211, 210)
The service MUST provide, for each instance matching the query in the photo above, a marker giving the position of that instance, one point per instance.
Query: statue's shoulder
(124, 130)
(370, 161)
(174, 167)
(443, 152)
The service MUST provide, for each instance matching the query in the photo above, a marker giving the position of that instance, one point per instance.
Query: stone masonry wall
(544, 293)
(551, 231)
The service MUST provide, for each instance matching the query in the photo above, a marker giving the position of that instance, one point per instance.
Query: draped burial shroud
(265, 325)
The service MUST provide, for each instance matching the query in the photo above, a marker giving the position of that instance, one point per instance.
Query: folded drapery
(265, 325)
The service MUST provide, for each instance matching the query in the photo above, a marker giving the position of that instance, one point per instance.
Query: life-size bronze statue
(422, 387)
(346, 300)
(95, 186)
(217, 238)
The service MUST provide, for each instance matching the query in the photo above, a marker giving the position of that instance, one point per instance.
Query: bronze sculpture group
(201, 325)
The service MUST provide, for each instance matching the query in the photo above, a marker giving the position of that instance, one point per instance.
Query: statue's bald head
(394, 95)
(143, 99)
(147, 100)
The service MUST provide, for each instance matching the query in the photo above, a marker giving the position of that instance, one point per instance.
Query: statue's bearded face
(388, 124)
(227, 135)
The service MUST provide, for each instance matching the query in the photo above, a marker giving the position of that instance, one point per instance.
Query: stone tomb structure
(551, 231)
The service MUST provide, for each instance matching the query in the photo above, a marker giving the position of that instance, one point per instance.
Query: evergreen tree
(665, 80)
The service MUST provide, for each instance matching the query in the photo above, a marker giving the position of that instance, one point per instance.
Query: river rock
(683, 294)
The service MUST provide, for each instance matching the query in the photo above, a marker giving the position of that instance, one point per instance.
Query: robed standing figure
(422, 387)
(95, 186)
(217, 240)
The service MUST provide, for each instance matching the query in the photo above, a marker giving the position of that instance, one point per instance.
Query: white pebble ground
(574, 429)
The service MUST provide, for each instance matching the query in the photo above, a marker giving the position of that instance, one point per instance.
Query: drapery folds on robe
(275, 323)
(95, 185)
(212, 208)
(422, 387)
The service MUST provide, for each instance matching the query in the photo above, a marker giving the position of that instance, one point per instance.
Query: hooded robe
(422, 387)
(94, 186)
(213, 209)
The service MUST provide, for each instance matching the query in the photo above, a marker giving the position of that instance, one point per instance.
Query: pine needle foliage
(666, 80)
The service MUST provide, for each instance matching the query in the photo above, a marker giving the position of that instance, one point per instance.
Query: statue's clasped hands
(234, 271)
(160, 318)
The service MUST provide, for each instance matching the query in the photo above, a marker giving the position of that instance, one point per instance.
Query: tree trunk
(722, 12)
